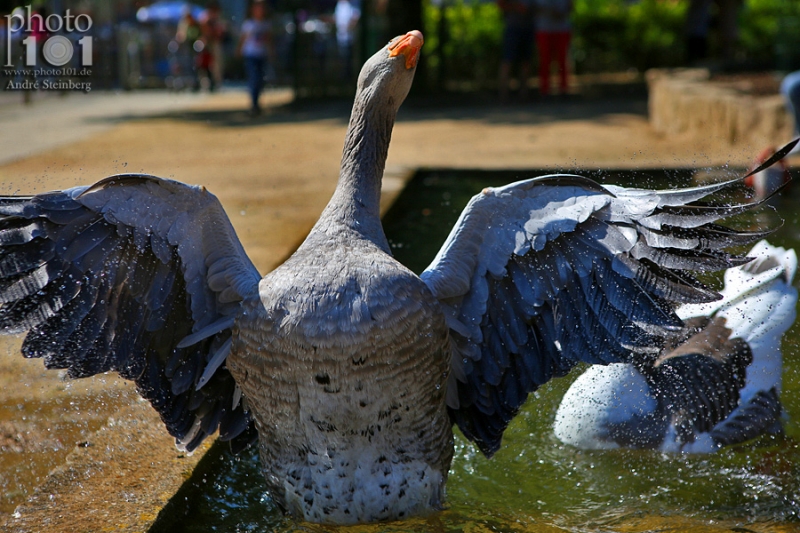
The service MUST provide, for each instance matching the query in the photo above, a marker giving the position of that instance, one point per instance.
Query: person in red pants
(553, 32)
(518, 35)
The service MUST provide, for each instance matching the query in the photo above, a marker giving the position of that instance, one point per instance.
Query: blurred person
(188, 28)
(38, 29)
(346, 16)
(256, 47)
(38, 32)
(188, 33)
(17, 52)
(15, 34)
(4, 37)
(518, 36)
(212, 34)
(790, 89)
(766, 182)
(553, 33)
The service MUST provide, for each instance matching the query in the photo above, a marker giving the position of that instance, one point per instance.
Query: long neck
(356, 201)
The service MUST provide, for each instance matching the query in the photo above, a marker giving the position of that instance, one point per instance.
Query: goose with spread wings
(348, 369)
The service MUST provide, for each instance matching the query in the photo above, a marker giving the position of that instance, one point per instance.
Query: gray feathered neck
(356, 201)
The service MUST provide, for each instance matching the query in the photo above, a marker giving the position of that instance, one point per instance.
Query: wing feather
(137, 275)
(544, 273)
(699, 381)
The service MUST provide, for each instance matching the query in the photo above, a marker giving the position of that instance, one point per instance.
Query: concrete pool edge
(119, 479)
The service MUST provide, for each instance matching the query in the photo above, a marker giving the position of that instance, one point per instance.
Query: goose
(715, 385)
(347, 369)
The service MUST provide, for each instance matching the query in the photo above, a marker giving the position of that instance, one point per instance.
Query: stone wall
(685, 101)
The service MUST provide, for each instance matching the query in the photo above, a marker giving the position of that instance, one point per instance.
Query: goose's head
(386, 77)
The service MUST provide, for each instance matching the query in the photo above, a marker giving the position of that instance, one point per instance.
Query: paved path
(55, 120)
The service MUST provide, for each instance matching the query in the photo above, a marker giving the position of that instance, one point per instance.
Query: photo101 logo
(30, 36)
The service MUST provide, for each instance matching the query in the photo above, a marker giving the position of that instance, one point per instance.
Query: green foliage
(769, 31)
(472, 32)
(617, 35)
(608, 35)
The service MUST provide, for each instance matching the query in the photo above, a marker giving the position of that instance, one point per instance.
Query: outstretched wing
(543, 273)
(135, 274)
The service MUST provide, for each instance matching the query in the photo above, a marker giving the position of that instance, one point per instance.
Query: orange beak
(409, 45)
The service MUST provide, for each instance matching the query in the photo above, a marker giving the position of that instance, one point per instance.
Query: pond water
(535, 483)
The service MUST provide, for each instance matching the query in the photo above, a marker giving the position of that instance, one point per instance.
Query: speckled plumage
(344, 360)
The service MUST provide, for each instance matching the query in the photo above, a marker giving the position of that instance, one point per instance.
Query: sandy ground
(273, 175)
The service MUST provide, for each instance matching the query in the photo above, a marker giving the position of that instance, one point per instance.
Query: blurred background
(137, 43)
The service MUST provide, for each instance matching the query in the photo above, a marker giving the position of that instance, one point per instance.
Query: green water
(535, 483)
